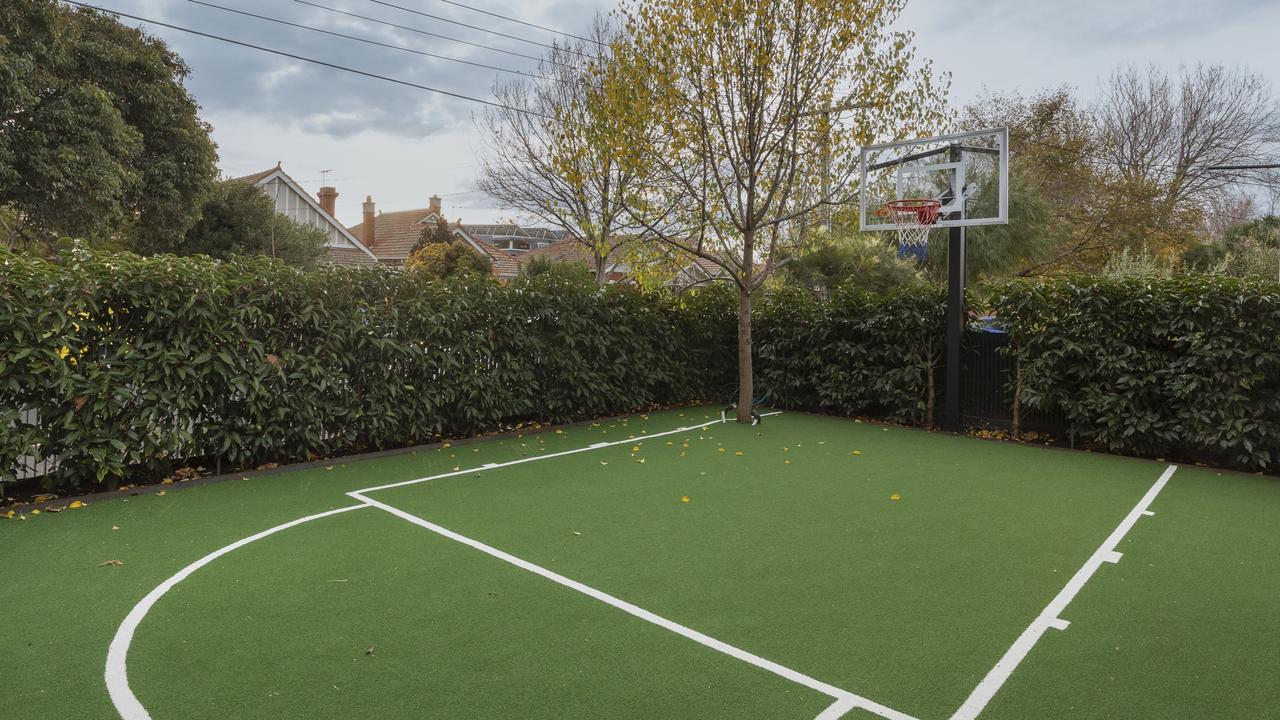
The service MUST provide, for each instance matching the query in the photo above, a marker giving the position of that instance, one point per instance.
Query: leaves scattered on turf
(738, 453)
(685, 498)
(115, 527)
(112, 563)
(369, 651)
(76, 505)
(604, 462)
(35, 512)
(456, 467)
(575, 532)
(786, 462)
(161, 493)
(635, 449)
(895, 497)
(640, 460)
(856, 452)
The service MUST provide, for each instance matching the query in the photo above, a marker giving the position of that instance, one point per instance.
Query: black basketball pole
(953, 413)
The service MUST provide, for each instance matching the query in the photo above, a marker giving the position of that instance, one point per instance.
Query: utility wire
(522, 22)
(322, 63)
(422, 32)
(499, 33)
(367, 40)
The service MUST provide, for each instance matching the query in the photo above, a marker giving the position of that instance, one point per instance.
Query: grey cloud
(331, 102)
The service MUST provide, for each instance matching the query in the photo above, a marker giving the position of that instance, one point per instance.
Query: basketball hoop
(914, 218)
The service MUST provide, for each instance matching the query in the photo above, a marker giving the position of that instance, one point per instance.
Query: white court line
(562, 453)
(845, 699)
(1048, 618)
(117, 677)
(837, 709)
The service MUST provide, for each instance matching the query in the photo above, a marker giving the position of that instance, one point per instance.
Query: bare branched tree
(551, 150)
(1170, 130)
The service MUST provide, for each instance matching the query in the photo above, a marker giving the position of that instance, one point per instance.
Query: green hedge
(134, 364)
(856, 353)
(1185, 368)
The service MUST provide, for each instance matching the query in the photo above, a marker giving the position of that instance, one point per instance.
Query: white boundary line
(845, 700)
(1049, 617)
(116, 675)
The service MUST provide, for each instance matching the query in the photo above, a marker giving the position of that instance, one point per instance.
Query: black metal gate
(986, 388)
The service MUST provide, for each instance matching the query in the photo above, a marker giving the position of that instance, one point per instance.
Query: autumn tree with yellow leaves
(744, 118)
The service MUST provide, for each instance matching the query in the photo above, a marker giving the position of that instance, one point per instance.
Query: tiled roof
(395, 233)
(505, 265)
(348, 256)
(253, 178)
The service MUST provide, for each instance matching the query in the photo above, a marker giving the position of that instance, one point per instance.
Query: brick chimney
(434, 205)
(328, 199)
(368, 229)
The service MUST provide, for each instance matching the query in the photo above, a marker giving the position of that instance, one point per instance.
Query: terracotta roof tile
(348, 256)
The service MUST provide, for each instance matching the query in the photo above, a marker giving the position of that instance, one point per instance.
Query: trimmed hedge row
(856, 353)
(134, 364)
(1185, 368)
(120, 367)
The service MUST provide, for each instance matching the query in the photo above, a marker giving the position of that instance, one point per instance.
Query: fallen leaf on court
(456, 467)
(669, 443)
(76, 505)
(640, 460)
(719, 449)
(822, 442)
(635, 449)
(856, 452)
(22, 517)
(786, 449)
(448, 445)
(328, 467)
(604, 462)
(786, 462)
(575, 532)
(160, 493)
(112, 563)
(35, 512)
(895, 497)
(559, 432)
(54, 509)
(115, 527)
(9, 514)
(738, 453)
(683, 453)
(369, 651)
(167, 481)
(684, 499)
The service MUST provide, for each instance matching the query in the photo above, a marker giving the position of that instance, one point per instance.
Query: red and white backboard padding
(967, 174)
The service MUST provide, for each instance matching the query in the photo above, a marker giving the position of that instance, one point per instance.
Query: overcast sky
(401, 144)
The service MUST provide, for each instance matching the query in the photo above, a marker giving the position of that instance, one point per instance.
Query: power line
(499, 33)
(322, 63)
(367, 40)
(422, 32)
(522, 22)
(1243, 167)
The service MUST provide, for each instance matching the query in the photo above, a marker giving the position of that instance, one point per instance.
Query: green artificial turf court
(809, 567)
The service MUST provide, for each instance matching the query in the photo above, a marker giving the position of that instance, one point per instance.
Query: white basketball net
(914, 221)
(911, 232)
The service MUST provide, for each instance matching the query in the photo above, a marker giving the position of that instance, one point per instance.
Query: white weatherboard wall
(301, 211)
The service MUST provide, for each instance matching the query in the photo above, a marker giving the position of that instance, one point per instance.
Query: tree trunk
(746, 391)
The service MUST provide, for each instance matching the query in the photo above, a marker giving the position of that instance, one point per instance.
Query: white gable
(297, 204)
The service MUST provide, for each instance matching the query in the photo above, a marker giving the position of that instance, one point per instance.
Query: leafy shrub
(1185, 367)
(859, 353)
(137, 363)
